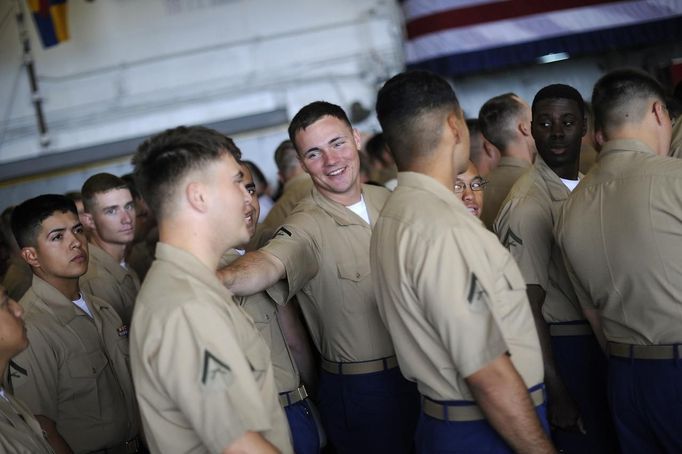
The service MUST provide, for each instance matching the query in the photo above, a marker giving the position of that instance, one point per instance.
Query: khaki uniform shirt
(588, 156)
(324, 247)
(107, 279)
(525, 226)
(20, 433)
(18, 278)
(500, 181)
(75, 370)
(676, 143)
(202, 372)
(450, 294)
(141, 257)
(621, 235)
(294, 190)
(263, 311)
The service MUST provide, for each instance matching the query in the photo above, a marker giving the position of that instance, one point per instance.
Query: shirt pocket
(355, 286)
(87, 375)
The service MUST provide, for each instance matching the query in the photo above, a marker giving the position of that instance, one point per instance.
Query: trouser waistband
(292, 397)
(468, 410)
(364, 367)
(631, 351)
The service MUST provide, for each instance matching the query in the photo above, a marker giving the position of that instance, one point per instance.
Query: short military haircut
(475, 143)
(498, 118)
(98, 184)
(162, 161)
(622, 96)
(28, 216)
(74, 195)
(313, 112)
(411, 107)
(559, 91)
(132, 186)
(375, 148)
(285, 156)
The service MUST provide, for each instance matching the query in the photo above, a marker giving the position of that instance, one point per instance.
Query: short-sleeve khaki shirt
(324, 247)
(294, 191)
(620, 232)
(525, 226)
(75, 370)
(452, 297)
(108, 280)
(20, 432)
(202, 372)
(500, 181)
(18, 278)
(263, 311)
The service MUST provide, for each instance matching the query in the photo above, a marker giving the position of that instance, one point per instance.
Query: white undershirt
(570, 184)
(360, 209)
(80, 302)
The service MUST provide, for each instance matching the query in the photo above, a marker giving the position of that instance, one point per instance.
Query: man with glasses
(620, 233)
(469, 187)
(575, 370)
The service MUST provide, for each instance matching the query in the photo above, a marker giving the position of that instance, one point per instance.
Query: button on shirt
(324, 247)
(450, 294)
(77, 369)
(202, 372)
(621, 235)
(525, 226)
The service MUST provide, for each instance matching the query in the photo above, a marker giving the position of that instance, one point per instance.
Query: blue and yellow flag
(50, 20)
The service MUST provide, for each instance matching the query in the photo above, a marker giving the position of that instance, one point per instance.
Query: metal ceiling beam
(112, 150)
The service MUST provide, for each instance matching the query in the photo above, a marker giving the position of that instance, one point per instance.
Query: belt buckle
(302, 393)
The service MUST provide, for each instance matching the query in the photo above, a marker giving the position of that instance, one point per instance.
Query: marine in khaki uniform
(575, 367)
(223, 398)
(19, 431)
(449, 293)
(74, 376)
(297, 185)
(505, 123)
(280, 325)
(322, 253)
(619, 233)
(110, 216)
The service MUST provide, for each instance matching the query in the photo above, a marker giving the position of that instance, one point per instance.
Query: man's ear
(197, 197)
(455, 122)
(660, 111)
(489, 149)
(89, 220)
(30, 256)
(524, 128)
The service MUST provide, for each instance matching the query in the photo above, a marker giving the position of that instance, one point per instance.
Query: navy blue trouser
(583, 367)
(435, 436)
(646, 404)
(369, 413)
(303, 428)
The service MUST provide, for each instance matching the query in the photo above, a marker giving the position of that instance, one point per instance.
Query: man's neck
(191, 241)
(519, 150)
(347, 199)
(117, 251)
(568, 171)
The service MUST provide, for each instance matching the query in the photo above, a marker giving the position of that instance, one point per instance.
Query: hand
(563, 412)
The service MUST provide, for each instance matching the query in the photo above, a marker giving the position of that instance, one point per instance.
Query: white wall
(132, 68)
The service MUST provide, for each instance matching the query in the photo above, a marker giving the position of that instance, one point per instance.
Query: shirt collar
(508, 161)
(556, 188)
(341, 214)
(623, 145)
(108, 262)
(191, 266)
(56, 303)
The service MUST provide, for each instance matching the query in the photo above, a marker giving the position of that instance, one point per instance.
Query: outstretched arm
(503, 397)
(252, 273)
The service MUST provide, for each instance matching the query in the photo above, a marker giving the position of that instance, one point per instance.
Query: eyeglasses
(476, 185)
